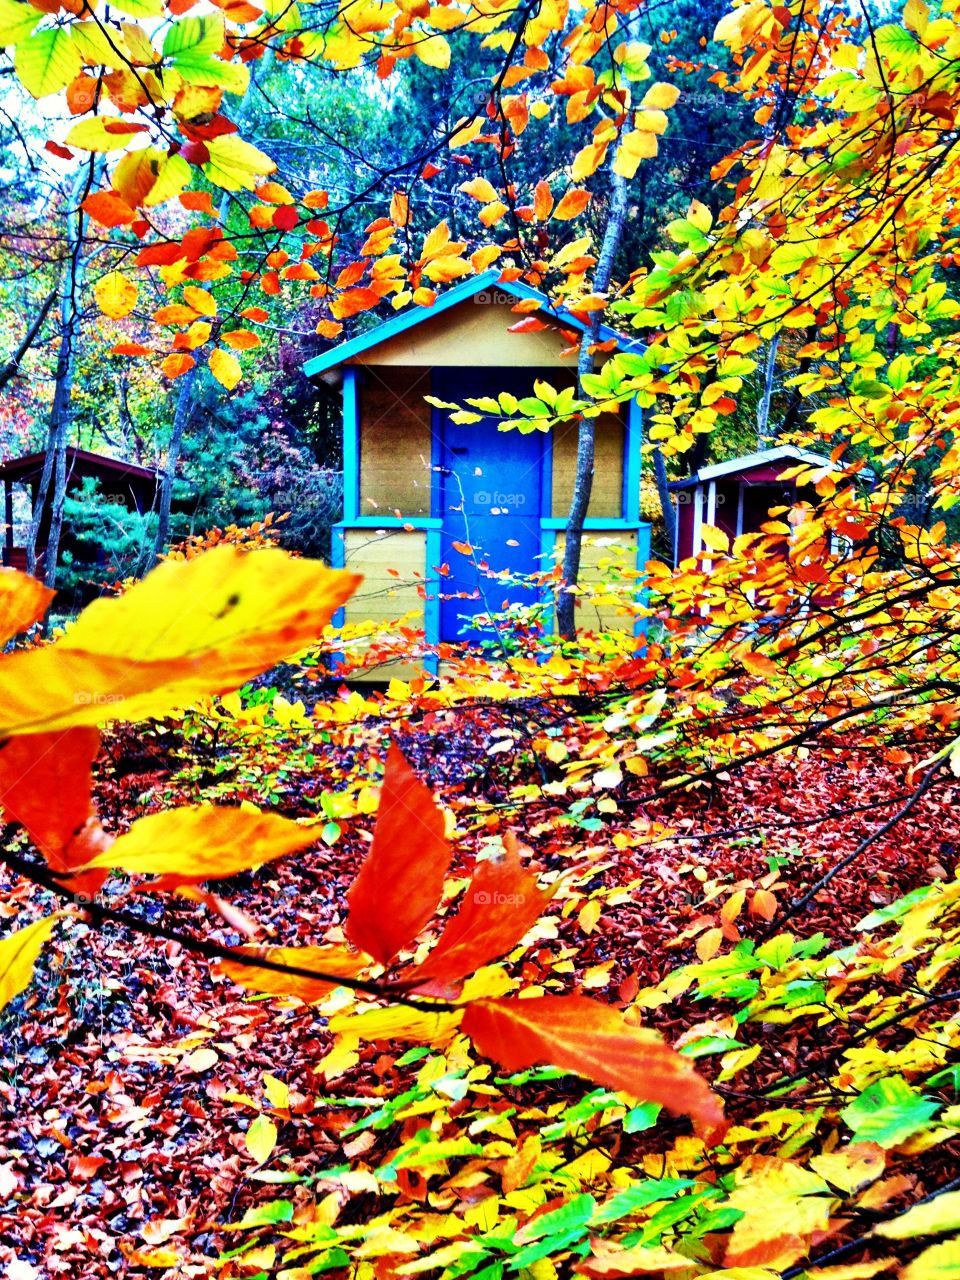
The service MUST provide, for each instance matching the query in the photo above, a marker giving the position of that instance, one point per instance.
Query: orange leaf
(175, 313)
(353, 302)
(401, 881)
(329, 328)
(178, 363)
(763, 904)
(579, 1034)
(572, 204)
(464, 548)
(257, 314)
(197, 202)
(542, 201)
(502, 902)
(331, 960)
(241, 339)
(759, 665)
(109, 209)
(399, 209)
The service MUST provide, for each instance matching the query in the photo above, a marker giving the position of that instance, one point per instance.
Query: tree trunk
(763, 408)
(583, 481)
(182, 412)
(54, 462)
(181, 417)
(666, 506)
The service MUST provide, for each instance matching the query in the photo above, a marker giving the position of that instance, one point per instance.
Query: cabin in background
(736, 495)
(133, 487)
(417, 485)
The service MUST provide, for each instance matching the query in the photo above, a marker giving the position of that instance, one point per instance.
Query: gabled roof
(83, 460)
(750, 461)
(462, 292)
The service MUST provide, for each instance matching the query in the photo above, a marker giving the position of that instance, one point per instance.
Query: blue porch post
(351, 445)
(632, 456)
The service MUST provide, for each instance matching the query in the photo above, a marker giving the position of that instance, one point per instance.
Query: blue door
(490, 503)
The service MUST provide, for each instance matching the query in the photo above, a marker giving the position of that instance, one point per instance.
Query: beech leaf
(592, 1039)
(401, 881)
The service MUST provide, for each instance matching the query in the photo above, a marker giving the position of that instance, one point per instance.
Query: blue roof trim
(415, 315)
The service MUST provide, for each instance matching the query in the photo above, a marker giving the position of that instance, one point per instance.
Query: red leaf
(33, 768)
(55, 149)
(401, 880)
(285, 217)
(594, 1040)
(502, 902)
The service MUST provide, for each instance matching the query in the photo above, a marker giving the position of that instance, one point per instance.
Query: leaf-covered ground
(130, 1075)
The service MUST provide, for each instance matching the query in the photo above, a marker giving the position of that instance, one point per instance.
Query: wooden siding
(381, 597)
(600, 559)
(394, 442)
(606, 499)
(474, 333)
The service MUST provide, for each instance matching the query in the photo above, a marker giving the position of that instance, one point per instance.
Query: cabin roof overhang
(415, 315)
(24, 467)
(763, 458)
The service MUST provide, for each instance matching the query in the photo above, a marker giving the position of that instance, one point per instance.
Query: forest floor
(118, 1136)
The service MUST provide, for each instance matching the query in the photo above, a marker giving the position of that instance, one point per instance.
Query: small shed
(417, 485)
(736, 495)
(133, 487)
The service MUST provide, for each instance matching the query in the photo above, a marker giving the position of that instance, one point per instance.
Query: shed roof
(82, 460)
(751, 461)
(463, 292)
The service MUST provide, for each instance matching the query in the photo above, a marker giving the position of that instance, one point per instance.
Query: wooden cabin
(736, 495)
(133, 487)
(417, 484)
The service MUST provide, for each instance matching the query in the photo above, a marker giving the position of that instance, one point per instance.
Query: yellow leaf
(18, 955)
(939, 1262)
(225, 368)
(276, 1092)
(434, 51)
(398, 1024)
(714, 539)
(939, 1214)
(204, 842)
(23, 601)
(635, 146)
(480, 189)
(660, 96)
(261, 1138)
(235, 165)
(589, 915)
(189, 629)
(116, 295)
(336, 961)
(202, 302)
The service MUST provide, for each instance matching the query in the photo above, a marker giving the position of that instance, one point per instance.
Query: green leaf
(889, 1112)
(46, 62)
(194, 38)
(139, 8)
(897, 45)
(263, 1215)
(576, 1213)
